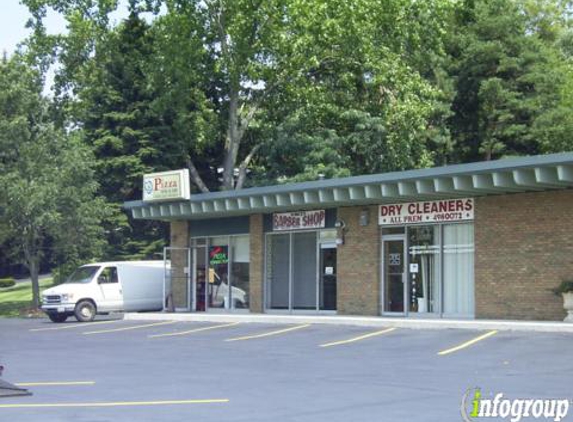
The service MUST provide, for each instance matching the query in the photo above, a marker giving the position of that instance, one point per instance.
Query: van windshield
(83, 275)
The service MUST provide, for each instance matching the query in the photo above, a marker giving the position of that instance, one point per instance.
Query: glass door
(327, 287)
(394, 274)
(424, 269)
(199, 278)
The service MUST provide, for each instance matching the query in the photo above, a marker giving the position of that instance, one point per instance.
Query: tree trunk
(233, 141)
(33, 266)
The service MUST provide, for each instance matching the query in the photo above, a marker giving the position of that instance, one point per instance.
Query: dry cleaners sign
(166, 186)
(299, 220)
(442, 211)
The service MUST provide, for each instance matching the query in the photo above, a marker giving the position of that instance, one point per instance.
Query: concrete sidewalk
(413, 323)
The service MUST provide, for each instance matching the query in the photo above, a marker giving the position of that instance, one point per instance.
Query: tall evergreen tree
(128, 136)
(502, 59)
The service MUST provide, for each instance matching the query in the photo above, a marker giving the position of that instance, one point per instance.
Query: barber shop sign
(299, 220)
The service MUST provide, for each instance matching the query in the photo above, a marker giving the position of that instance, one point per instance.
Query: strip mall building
(484, 240)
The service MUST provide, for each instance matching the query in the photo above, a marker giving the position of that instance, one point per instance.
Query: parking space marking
(270, 333)
(74, 325)
(195, 330)
(113, 404)
(467, 343)
(55, 383)
(114, 330)
(362, 337)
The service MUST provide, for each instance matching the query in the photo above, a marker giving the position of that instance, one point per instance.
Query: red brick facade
(358, 279)
(523, 248)
(256, 266)
(180, 239)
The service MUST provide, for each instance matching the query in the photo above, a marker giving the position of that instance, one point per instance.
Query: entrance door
(394, 274)
(327, 287)
(424, 269)
(200, 272)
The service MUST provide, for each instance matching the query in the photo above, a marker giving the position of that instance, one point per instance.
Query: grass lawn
(17, 298)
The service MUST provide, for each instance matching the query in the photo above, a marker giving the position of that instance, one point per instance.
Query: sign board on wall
(442, 211)
(299, 220)
(166, 186)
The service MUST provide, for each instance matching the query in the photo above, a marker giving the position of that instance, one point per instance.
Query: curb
(416, 324)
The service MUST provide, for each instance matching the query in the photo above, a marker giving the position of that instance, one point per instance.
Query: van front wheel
(85, 311)
(57, 317)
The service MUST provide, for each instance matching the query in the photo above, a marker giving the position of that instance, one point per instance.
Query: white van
(105, 287)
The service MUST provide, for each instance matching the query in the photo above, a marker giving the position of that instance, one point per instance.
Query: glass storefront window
(439, 271)
(304, 270)
(278, 270)
(301, 270)
(219, 272)
(240, 254)
(459, 269)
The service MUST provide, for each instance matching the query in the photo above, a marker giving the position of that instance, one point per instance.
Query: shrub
(566, 286)
(7, 282)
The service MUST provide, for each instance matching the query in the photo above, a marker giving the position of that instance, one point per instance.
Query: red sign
(299, 220)
(442, 211)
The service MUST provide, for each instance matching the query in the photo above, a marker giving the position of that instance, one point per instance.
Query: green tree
(511, 78)
(231, 78)
(128, 135)
(47, 203)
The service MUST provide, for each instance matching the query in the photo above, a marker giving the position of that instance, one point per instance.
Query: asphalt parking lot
(115, 370)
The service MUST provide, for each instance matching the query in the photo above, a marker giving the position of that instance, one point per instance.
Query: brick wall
(179, 238)
(523, 248)
(358, 280)
(256, 277)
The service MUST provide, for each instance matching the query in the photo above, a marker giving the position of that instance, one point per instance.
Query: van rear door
(110, 286)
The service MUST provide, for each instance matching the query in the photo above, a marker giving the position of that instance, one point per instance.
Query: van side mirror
(101, 279)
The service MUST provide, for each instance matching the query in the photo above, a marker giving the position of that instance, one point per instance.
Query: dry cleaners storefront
(482, 240)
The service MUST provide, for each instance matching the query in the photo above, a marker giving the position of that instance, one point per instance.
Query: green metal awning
(526, 174)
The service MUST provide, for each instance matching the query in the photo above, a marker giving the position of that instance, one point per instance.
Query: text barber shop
(485, 240)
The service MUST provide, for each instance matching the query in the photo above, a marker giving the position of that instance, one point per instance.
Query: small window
(108, 276)
(393, 230)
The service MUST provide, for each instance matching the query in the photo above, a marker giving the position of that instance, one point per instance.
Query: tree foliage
(510, 77)
(47, 204)
(252, 92)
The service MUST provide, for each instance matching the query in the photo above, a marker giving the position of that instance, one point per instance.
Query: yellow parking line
(75, 325)
(196, 330)
(362, 337)
(114, 404)
(467, 343)
(114, 330)
(270, 333)
(56, 383)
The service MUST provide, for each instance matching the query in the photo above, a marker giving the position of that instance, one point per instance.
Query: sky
(13, 18)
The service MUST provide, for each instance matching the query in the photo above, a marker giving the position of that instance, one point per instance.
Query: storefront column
(358, 284)
(257, 254)
(179, 239)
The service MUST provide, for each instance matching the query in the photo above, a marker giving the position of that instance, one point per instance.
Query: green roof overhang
(526, 174)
